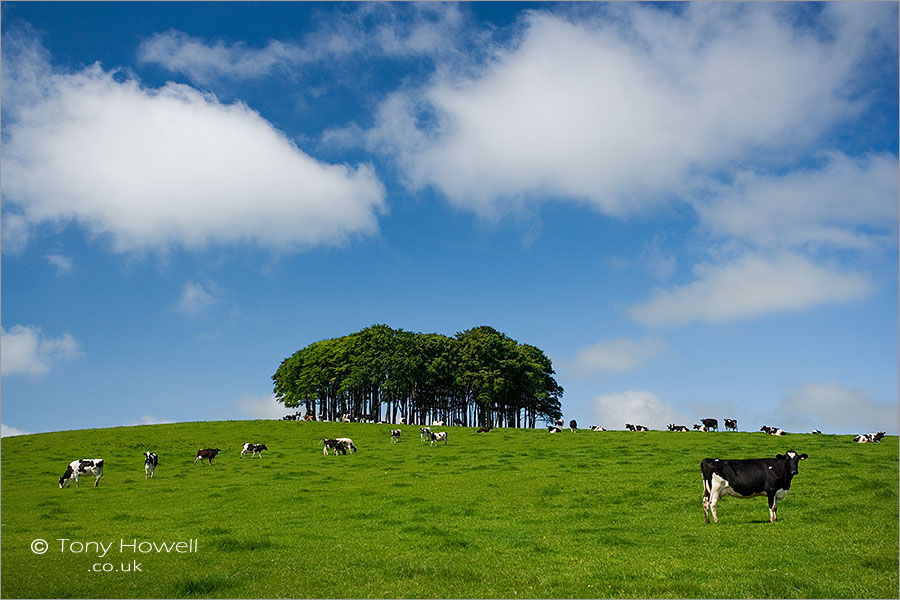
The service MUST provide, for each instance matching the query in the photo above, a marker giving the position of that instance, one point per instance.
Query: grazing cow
(337, 445)
(438, 437)
(425, 433)
(573, 425)
(208, 453)
(731, 424)
(395, 435)
(150, 462)
(873, 438)
(816, 431)
(597, 428)
(483, 429)
(710, 424)
(772, 430)
(437, 423)
(770, 477)
(629, 426)
(82, 466)
(674, 427)
(253, 449)
(348, 444)
(553, 429)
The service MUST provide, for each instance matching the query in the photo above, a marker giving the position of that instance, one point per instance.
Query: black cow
(770, 477)
(573, 425)
(731, 424)
(208, 454)
(710, 424)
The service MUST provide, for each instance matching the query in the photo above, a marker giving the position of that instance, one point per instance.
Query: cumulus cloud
(196, 298)
(368, 30)
(834, 408)
(846, 203)
(616, 356)
(638, 407)
(259, 407)
(7, 431)
(624, 110)
(171, 166)
(749, 287)
(61, 262)
(150, 420)
(26, 351)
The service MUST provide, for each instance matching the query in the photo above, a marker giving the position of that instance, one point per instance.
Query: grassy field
(511, 513)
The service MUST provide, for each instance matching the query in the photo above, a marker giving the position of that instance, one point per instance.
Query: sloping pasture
(510, 513)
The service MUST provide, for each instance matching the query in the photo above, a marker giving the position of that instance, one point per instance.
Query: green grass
(513, 513)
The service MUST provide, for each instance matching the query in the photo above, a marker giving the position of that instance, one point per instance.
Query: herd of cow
(741, 478)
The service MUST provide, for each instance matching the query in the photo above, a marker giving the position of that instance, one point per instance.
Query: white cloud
(616, 356)
(196, 298)
(260, 407)
(625, 111)
(638, 407)
(372, 29)
(204, 62)
(751, 286)
(61, 262)
(25, 351)
(7, 431)
(833, 408)
(154, 168)
(150, 420)
(847, 203)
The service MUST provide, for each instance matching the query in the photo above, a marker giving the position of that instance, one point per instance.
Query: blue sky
(692, 209)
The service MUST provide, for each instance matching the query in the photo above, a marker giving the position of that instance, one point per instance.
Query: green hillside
(511, 513)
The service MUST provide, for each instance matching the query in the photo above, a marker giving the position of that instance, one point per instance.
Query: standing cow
(770, 477)
(151, 460)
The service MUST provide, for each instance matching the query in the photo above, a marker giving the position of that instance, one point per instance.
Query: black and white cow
(559, 422)
(629, 427)
(747, 478)
(640, 428)
(573, 425)
(395, 435)
(772, 430)
(699, 427)
(872, 438)
(425, 433)
(333, 444)
(151, 460)
(816, 431)
(673, 427)
(731, 424)
(553, 429)
(253, 449)
(208, 454)
(710, 424)
(82, 466)
(597, 428)
(438, 436)
(348, 444)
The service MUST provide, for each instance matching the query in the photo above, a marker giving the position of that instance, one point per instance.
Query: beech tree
(479, 377)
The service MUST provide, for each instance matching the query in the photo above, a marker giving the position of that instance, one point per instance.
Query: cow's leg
(76, 480)
(773, 507)
(97, 481)
(706, 500)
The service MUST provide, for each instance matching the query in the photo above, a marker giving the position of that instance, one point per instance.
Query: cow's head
(791, 459)
(65, 477)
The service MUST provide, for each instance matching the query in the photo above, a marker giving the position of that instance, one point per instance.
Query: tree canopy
(479, 377)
